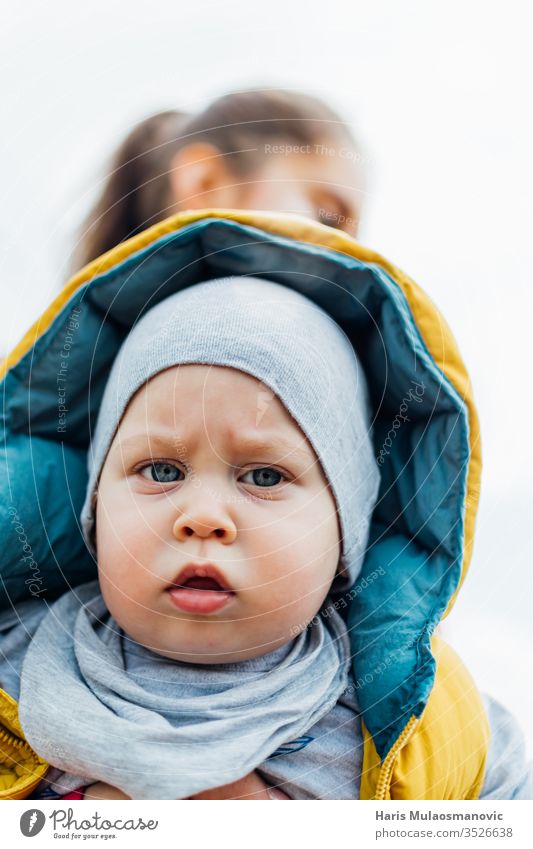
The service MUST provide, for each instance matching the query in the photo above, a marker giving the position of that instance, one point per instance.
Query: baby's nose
(187, 526)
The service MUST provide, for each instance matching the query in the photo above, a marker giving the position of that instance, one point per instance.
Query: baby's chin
(212, 655)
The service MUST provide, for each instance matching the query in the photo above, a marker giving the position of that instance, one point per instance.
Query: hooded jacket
(426, 732)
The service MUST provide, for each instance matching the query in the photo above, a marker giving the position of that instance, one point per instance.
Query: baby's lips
(204, 570)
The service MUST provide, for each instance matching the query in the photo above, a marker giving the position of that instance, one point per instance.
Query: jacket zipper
(385, 772)
(12, 740)
(13, 745)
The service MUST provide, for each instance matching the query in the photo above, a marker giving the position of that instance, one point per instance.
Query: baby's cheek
(293, 597)
(122, 545)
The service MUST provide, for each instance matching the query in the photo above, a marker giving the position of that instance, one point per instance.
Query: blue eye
(264, 476)
(161, 472)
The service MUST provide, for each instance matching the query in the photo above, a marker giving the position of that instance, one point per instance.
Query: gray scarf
(102, 707)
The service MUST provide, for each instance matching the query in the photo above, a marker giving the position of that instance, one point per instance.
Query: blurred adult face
(323, 182)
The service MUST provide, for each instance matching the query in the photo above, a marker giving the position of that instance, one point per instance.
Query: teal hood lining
(413, 564)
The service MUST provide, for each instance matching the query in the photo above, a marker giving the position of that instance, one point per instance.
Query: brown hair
(137, 191)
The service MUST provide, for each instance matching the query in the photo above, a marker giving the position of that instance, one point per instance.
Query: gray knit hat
(290, 344)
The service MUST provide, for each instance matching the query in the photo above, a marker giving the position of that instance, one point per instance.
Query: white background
(440, 95)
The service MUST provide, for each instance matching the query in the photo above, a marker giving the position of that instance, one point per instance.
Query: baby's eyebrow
(255, 444)
(241, 444)
(152, 441)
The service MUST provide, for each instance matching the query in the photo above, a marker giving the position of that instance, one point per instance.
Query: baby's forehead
(196, 400)
(192, 388)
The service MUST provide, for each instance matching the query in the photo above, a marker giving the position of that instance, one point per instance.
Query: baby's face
(208, 467)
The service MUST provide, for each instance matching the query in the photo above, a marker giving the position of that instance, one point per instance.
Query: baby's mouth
(200, 593)
(206, 576)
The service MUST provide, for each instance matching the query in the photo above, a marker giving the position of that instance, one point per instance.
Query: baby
(232, 483)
